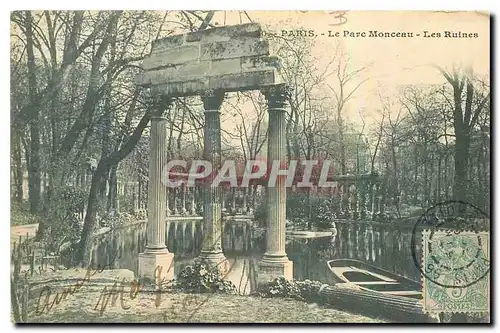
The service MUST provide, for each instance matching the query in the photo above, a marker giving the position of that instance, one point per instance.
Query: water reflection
(242, 248)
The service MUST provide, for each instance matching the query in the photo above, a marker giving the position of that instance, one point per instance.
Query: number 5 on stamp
(456, 267)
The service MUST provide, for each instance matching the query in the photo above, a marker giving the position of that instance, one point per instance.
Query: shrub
(114, 219)
(302, 290)
(199, 278)
(61, 218)
(20, 214)
(309, 290)
(280, 287)
(322, 211)
(260, 213)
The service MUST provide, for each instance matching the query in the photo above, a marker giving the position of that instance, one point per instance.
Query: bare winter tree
(347, 83)
(468, 101)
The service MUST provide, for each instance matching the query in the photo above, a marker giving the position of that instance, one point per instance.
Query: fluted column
(156, 256)
(275, 261)
(157, 194)
(212, 208)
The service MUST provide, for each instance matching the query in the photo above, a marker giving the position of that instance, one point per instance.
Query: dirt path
(22, 230)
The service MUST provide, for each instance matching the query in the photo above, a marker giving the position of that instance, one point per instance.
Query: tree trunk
(83, 255)
(34, 179)
(105, 164)
(113, 189)
(396, 180)
(17, 167)
(426, 179)
(415, 179)
(439, 182)
(461, 166)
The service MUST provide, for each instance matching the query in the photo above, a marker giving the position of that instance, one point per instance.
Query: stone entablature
(229, 58)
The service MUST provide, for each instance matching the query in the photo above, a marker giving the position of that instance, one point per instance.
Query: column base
(157, 266)
(213, 259)
(271, 268)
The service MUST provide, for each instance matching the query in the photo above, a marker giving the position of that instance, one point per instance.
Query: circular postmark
(456, 254)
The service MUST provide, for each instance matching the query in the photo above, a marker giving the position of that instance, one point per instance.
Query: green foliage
(260, 213)
(62, 218)
(309, 290)
(199, 278)
(323, 212)
(306, 290)
(280, 287)
(317, 211)
(20, 214)
(114, 219)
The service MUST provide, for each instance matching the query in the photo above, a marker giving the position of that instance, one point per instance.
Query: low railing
(354, 197)
(188, 200)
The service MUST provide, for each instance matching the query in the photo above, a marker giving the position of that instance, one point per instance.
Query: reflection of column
(156, 253)
(275, 261)
(212, 211)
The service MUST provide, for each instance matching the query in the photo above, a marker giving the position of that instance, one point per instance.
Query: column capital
(212, 99)
(277, 95)
(158, 118)
(160, 103)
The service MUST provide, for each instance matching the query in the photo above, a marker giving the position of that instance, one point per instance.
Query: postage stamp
(456, 266)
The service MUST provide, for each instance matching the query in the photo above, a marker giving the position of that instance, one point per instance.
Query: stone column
(173, 193)
(193, 200)
(245, 206)
(183, 198)
(275, 262)
(211, 252)
(233, 200)
(156, 256)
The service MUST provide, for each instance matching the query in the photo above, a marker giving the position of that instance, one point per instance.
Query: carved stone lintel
(277, 96)
(212, 99)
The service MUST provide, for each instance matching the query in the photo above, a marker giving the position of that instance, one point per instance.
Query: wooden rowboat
(368, 277)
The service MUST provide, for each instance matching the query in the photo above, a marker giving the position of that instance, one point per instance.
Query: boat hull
(371, 278)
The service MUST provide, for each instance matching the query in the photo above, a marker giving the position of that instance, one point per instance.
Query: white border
(190, 4)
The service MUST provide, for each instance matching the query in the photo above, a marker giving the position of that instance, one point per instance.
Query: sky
(393, 62)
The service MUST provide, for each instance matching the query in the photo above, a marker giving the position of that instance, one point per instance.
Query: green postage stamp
(456, 266)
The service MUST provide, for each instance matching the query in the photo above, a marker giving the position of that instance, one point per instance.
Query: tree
(467, 103)
(345, 90)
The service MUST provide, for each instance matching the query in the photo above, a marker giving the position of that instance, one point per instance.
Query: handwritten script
(49, 302)
(112, 294)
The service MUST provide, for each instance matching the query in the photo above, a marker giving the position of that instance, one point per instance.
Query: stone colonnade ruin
(211, 63)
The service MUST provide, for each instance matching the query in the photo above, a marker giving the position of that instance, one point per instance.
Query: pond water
(242, 245)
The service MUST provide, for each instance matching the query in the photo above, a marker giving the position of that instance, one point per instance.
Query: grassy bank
(196, 308)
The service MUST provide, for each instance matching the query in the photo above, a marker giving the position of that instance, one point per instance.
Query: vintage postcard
(210, 166)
